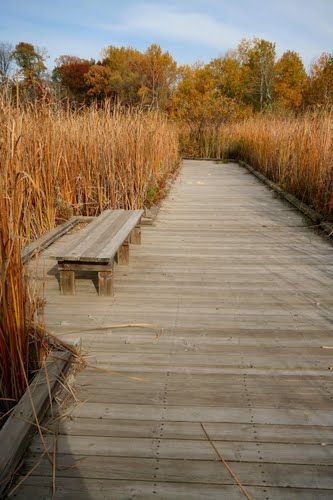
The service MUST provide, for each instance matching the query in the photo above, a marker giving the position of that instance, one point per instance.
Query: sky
(191, 30)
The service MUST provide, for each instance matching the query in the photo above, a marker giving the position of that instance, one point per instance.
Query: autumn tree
(117, 76)
(159, 71)
(257, 57)
(289, 81)
(198, 101)
(70, 73)
(319, 91)
(227, 72)
(30, 61)
(99, 82)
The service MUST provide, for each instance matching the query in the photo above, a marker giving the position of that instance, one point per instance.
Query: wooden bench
(98, 245)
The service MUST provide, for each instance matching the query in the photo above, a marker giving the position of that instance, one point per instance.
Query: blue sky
(190, 29)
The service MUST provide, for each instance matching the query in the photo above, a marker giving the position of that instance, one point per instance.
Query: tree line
(246, 80)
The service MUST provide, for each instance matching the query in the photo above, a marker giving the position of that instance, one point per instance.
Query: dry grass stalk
(83, 162)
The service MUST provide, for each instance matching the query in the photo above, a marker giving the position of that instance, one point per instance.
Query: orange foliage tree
(69, 73)
(319, 91)
(289, 82)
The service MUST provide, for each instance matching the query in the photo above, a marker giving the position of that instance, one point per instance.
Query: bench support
(135, 237)
(123, 253)
(102, 242)
(67, 276)
(67, 282)
(105, 283)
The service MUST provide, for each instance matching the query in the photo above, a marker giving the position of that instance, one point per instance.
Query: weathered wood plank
(225, 431)
(206, 414)
(248, 451)
(112, 246)
(69, 488)
(187, 471)
(46, 240)
(101, 239)
(88, 235)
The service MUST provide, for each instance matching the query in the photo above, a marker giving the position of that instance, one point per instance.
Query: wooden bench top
(100, 240)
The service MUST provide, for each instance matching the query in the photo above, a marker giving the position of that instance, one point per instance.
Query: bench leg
(105, 283)
(123, 253)
(135, 237)
(67, 282)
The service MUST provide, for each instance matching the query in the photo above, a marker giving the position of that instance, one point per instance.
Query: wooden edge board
(17, 431)
(47, 239)
(86, 218)
(205, 158)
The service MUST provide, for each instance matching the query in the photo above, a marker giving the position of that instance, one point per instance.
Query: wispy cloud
(172, 23)
(189, 29)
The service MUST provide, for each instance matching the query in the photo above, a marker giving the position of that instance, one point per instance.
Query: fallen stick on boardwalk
(225, 463)
(122, 325)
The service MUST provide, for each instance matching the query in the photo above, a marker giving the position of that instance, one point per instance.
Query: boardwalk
(243, 292)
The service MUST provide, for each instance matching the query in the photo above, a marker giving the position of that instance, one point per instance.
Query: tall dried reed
(20, 335)
(296, 153)
(85, 161)
(55, 163)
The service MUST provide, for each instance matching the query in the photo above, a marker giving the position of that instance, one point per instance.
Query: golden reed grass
(55, 163)
(296, 153)
(83, 162)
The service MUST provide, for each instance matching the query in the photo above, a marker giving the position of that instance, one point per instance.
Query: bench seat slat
(89, 235)
(101, 239)
(113, 245)
(93, 250)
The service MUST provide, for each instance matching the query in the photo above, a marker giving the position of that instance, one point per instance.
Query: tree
(257, 57)
(130, 77)
(159, 73)
(227, 72)
(319, 91)
(101, 83)
(198, 102)
(6, 60)
(289, 81)
(30, 60)
(70, 74)
(117, 76)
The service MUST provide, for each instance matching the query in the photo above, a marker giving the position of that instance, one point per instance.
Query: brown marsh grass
(296, 153)
(55, 163)
(21, 338)
(83, 162)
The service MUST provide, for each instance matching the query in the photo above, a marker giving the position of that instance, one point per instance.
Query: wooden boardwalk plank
(238, 295)
(189, 471)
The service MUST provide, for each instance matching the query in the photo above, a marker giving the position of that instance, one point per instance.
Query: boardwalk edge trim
(16, 434)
